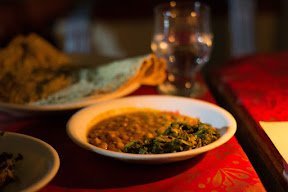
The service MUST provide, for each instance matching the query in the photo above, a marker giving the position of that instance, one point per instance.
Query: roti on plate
(36, 73)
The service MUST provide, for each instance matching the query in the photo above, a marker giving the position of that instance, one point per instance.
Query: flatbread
(109, 78)
(36, 73)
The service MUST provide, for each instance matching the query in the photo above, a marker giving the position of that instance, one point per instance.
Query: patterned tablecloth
(261, 85)
(225, 168)
(258, 86)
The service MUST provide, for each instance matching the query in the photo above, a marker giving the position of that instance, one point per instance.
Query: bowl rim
(49, 175)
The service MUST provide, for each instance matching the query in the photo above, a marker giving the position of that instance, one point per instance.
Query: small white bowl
(39, 165)
(206, 112)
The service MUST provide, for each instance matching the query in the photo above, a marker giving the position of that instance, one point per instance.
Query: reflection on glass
(183, 37)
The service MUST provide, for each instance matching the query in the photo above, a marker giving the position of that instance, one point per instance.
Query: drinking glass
(182, 35)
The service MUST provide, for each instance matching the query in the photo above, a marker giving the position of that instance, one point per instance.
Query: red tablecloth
(225, 168)
(258, 86)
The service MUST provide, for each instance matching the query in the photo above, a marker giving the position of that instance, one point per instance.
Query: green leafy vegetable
(177, 137)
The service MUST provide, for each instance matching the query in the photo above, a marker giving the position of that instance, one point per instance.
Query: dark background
(42, 17)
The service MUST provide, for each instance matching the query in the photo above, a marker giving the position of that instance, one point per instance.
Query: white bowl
(206, 112)
(39, 165)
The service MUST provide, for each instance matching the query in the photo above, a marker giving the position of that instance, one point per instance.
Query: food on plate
(7, 168)
(30, 70)
(150, 131)
(110, 78)
(34, 72)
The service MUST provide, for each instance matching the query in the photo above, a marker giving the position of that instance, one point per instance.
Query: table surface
(253, 89)
(226, 168)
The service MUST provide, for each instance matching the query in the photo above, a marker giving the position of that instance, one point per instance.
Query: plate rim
(84, 102)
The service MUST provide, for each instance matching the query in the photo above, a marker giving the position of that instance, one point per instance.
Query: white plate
(206, 112)
(77, 59)
(39, 165)
(33, 109)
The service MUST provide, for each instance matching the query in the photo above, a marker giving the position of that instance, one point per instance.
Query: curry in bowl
(179, 134)
(149, 131)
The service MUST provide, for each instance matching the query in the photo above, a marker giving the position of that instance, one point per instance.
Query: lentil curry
(140, 131)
